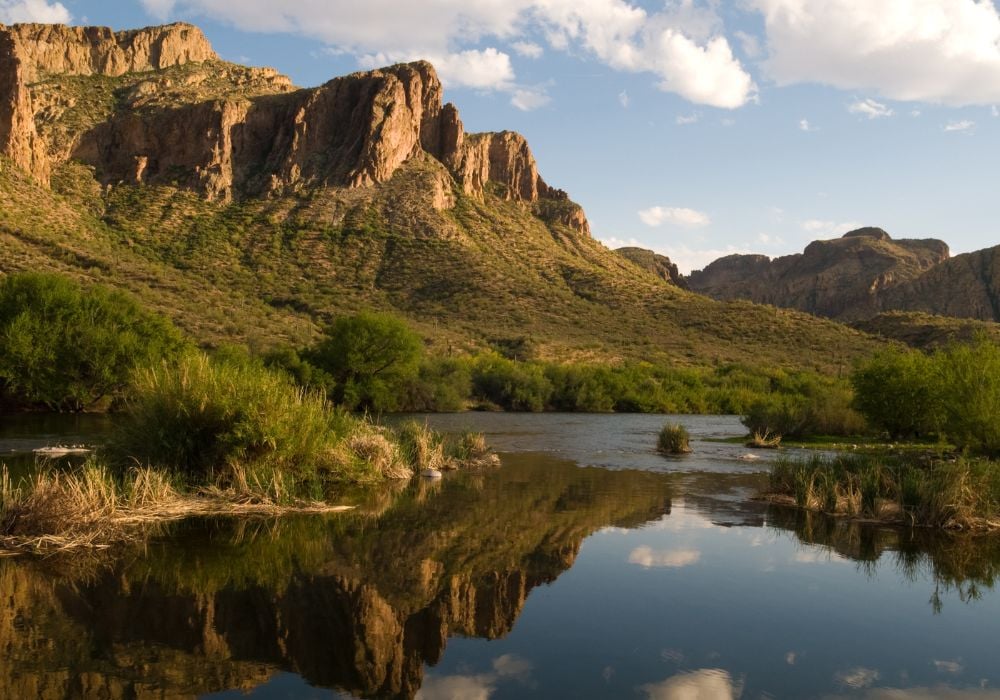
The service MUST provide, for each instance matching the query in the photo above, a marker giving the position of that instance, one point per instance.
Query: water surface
(587, 566)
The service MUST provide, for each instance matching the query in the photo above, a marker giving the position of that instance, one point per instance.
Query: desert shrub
(673, 440)
(514, 386)
(968, 389)
(303, 372)
(370, 356)
(804, 405)
(204, 418)
(441, 384)
(70, 347)
(897, 391)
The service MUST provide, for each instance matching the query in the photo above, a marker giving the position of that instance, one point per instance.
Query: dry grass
(91, 508)
(764, 440)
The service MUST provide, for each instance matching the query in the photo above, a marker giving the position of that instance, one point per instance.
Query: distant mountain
(659, 265)
(250, 210)
(847, 278)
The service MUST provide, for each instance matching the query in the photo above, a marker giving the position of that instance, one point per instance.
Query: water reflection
(360, 603)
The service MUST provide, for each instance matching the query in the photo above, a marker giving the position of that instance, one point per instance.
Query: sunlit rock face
(253, 135)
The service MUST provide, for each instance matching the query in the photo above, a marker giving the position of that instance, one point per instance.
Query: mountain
(659, 265)
(847, 278)
(253, 211)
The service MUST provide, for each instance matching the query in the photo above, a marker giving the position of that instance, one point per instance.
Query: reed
(673, 440)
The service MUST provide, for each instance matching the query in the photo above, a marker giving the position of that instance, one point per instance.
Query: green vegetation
(802, 405)
(67, 347)
(673, 440)
(953, 394)
(958, 493)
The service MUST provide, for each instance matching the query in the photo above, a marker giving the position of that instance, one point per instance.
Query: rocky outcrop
(54, 48)
(659, 265)
(261, 138)
(19, 139)
(846, 278)
(966, 286)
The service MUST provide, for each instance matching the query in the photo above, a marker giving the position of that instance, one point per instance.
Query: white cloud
(818, 227)
(686, 259)
(481, 69)
(623, 99)
(528, 49)
(995, 111)
(804, 125)
(960, 125)
(749, 43)
(705, 683)
(664, 558)
(944, 51)
(685, 119)
(527, 99)
(679, 216)
(14, 11)
(682, 45)
(870, 108)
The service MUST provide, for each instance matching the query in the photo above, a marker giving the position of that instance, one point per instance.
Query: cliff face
(55, 48)
(966, 286)
(845, 278)
(261, 138)
(659, 265)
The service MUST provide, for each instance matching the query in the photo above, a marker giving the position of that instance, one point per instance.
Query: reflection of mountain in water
(354, 602)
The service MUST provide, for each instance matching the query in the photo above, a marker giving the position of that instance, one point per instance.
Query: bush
(514, 386)
(897, 391)
(969, 395)
(673, 440)
(371, 356)
(69, 347)
(207, 418)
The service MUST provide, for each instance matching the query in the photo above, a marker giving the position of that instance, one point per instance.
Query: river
(586, 566)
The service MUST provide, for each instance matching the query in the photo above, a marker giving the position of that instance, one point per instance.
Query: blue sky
(696, 128)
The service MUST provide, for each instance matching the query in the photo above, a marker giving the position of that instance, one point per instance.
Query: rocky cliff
(847, 278)
(659, 265)
(966, 286)
(253, 135)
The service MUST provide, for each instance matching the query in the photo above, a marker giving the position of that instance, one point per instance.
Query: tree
(897, 390)
(370, 356)
(69, 347)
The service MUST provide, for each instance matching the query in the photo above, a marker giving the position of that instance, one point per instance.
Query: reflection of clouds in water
(673, 655)
(478, 686)
(704, 684)
(816, 555)
(859, 677)
(791, 657)
(668, 558)
(954, 666)
(936, 693)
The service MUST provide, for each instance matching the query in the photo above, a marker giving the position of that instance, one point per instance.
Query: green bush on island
(673, 440)
(70, 347)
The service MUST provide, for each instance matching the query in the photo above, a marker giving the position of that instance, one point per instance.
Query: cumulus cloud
(870, 108)
(528, 49)
(819, 227)
(683, 45)
(804, 125)
(685, 119)
(960, 125)
(943, 51)
(679, 216)
(13, 11)
(527, 99)
(664, 558)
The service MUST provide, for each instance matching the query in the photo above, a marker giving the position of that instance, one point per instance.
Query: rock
(431, 473)
(19, 139)
(844, 278)
(659, 265)
(966, 286)
(55, 48)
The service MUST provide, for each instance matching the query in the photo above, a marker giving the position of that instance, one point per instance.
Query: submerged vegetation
(959, 493)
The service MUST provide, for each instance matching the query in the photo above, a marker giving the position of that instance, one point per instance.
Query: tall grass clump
(673, 440)
(206, 419)
(960, 493)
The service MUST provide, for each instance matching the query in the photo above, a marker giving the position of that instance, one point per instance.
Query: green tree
(371, 356)
(897, 390)
(69, 347)
(969, 381)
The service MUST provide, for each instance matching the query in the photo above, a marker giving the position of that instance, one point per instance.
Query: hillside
(659, 265)
(252, 211)
(965, 286)
(846, 278)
